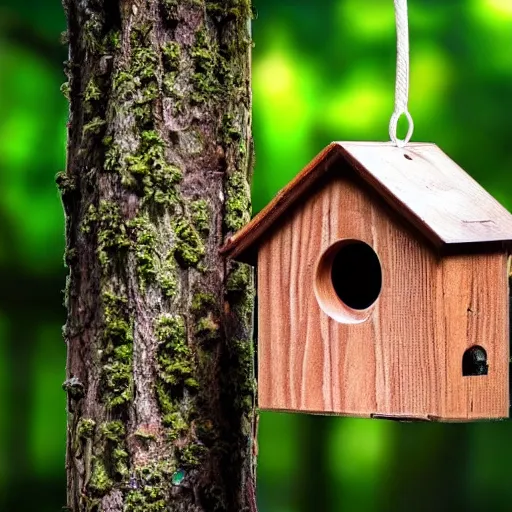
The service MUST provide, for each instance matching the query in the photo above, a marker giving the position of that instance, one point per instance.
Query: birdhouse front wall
(402, 356)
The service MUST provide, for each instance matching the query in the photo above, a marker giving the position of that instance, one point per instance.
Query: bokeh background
(323, 70)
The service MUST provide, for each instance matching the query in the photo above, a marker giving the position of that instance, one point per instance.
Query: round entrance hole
(348, 281)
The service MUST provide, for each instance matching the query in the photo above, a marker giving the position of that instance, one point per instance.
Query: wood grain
(420, 182)
(405, 361)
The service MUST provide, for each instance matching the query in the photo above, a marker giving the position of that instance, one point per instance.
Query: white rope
(402, 75)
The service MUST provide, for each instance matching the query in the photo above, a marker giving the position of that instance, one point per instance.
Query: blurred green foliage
(323, 70)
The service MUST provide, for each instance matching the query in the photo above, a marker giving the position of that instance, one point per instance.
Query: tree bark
(160, 373)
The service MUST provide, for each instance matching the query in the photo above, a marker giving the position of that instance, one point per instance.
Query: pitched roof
(419, 181)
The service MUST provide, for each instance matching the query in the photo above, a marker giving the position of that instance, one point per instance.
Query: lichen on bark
(160, 376)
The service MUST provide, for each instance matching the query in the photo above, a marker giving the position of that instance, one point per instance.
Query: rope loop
(402, 75)
(393, 125)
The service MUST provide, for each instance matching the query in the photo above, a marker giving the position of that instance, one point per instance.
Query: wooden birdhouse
(382, 288)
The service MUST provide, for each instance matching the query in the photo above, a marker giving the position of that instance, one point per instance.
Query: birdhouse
(382, 287)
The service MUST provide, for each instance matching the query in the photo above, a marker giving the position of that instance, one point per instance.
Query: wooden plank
(420, 182)
(405, 361)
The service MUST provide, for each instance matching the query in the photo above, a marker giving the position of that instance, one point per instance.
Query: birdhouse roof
(419, 181)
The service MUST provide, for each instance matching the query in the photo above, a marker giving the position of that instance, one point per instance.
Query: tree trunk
(160, 378)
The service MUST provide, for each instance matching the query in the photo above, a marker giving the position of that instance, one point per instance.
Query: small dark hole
(357, 275)
(474, 362)
(408, 157)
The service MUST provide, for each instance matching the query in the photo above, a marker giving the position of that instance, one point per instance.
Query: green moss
(124, 84)
(240, 278)
(114, 432)
(171, 330)
(118, 329)
(230, 132)
(111, 230)
(167, 277)
(144, 436)
(99, 483)
(94, 127)
(175, 361)
(191, 455)
(145, 249)
(152, 491)
(120, 461)
(70, 256)
(239, 9)
(170, 10)
(202, 303)
(64, 38)
(65, 184)
(169, 82)
(204, 55)
(65, 89)
(242, 379)
(118, 351)
(172, 55)
(172, 418)
(112, 156)
(118, 382)
(207, 328)
(150, 171)
(163, 398)
(92, 30)
(144, 58)
(237, 201)
(200, 214)
(189, 248)
(176, 369)
(85, 428)
(113, 40)
(92, 92)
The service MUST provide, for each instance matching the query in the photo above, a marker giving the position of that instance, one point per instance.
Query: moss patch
(149, 171)
(172, 56)
(99, 483)
(200, 215)
(85, 428)
(118, 351)
(189, 248)
(114, 433)
(145, 249)
(242, 352)
(204, 55)
(167, 276)
(240, 278)
(238, 201)
(94, 127)
(191, 455)
(207, 328)
(65, 90)
(175, 361)
(110, 228)
(152, 488)
(176, 371)
(202, 303)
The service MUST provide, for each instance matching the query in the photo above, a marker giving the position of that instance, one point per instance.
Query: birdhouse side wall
(405, 360)
(473, 311)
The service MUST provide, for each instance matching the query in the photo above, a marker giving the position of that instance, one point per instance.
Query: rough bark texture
(160, 377)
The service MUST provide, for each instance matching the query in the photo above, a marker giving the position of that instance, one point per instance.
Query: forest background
(322, 70)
